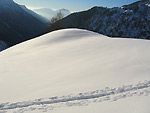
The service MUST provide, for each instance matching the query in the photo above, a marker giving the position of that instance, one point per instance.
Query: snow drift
(73, 71)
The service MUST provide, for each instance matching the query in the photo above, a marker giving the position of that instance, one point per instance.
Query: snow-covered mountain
(49, 13)
(76, 71)
(132, 21)
(16, 25)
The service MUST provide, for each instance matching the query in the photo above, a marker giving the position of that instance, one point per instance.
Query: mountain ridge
(128, 21)
(17, 25)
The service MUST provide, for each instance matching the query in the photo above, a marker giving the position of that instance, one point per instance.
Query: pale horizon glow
(73, 6)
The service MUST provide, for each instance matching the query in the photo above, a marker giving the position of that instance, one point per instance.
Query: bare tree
(58, 16)
(54, 19)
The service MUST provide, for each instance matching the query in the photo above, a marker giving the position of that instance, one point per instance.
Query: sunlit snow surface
(76, 71)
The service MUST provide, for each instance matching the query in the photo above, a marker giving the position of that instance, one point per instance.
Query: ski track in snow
(81, 99)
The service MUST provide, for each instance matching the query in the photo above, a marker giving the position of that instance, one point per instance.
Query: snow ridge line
(81, 96)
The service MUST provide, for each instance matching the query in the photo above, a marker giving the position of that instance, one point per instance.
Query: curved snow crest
(58, 36)
(71, 61)
(72, 34)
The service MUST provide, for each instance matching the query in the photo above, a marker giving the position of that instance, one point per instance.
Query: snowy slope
(72, 70)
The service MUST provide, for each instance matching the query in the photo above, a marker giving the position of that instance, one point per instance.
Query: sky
(72, 5)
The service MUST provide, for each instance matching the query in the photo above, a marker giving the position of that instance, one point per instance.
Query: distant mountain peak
(64, 9)
(49, 13)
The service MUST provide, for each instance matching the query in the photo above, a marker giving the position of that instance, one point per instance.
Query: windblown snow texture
(75, 70)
